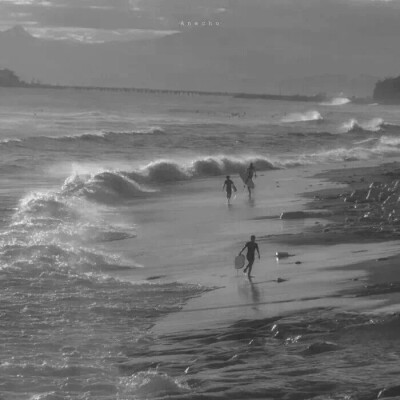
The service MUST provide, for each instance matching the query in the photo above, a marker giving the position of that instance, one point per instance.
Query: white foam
(390, 140)
(336, 101)
(152, 384)
(8, 140)
(312, 115)
(353, 125)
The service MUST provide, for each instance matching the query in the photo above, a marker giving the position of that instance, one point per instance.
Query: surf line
(259, 303)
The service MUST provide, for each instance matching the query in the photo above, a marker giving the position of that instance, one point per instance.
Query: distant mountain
(211, 59)
(17, 33)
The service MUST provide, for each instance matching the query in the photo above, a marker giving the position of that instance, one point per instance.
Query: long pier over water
(177, 92)
(130, 89)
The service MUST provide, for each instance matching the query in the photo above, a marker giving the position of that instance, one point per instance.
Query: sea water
(112, 215)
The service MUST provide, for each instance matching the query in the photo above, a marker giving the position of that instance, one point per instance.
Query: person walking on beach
(251, 247)
(228, 186)
(251, 171)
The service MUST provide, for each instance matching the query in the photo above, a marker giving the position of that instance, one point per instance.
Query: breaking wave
(169, 170)
(113, 186)
(56, 218)
(107, 134)
(370, 148)
(105, 187)
(390, 141)
(8, 140)
(303, 117)
(56, 283)
(87, 136)
(373, 125)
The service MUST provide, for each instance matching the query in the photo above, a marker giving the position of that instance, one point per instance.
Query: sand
(342, 261)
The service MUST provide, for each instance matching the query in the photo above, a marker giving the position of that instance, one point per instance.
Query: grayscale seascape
(117, 244)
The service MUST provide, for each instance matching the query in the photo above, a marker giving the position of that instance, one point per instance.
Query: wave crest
(373, 125)
(104, 187)
(115, 186)
(165, 171)
(86, 136)
(336, 101)
(390, 141)
(226, 165)
(105, 135)
(45, 206)
(307, 116)
(170, 171)
(10, 140)
(49, 217)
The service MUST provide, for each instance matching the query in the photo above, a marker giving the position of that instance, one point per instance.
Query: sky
(261, 45)
(102, 20)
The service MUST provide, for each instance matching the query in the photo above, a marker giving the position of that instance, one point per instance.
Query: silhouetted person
(251, 171)
(228, 186)
(251, 247)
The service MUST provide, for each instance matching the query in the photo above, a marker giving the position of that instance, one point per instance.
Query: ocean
(113, 219)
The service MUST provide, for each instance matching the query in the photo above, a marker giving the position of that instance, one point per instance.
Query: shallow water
(315, 354)
(113, 218)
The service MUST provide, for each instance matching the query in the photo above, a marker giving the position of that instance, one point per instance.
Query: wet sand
(342, 262)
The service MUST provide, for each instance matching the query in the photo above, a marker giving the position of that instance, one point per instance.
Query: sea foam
(336, 101)
(373, 125)
(307, 116)
(87, 136)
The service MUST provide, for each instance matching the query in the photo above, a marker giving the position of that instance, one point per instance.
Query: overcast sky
(93, 20)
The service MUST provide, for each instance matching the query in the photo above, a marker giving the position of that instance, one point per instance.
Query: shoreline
(377, 279)
(346, 215)
(349, 283)
(382, 280)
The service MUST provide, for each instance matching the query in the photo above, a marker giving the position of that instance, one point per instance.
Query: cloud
(375, 1)
(88, 35)
(300, 18)
(37, 3)
(93, 14)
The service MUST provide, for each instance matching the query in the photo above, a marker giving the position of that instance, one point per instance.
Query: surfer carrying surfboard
(228, 186)
(251, 171)
(251, 247)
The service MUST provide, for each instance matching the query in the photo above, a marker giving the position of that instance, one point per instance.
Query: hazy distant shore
(296, 97)
(278, 97)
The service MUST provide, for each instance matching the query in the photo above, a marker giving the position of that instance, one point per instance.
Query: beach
(338, 290)
(327, 256)
(117, 248)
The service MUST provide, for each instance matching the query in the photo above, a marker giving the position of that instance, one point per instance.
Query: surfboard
(246, 181)
(240, 261)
